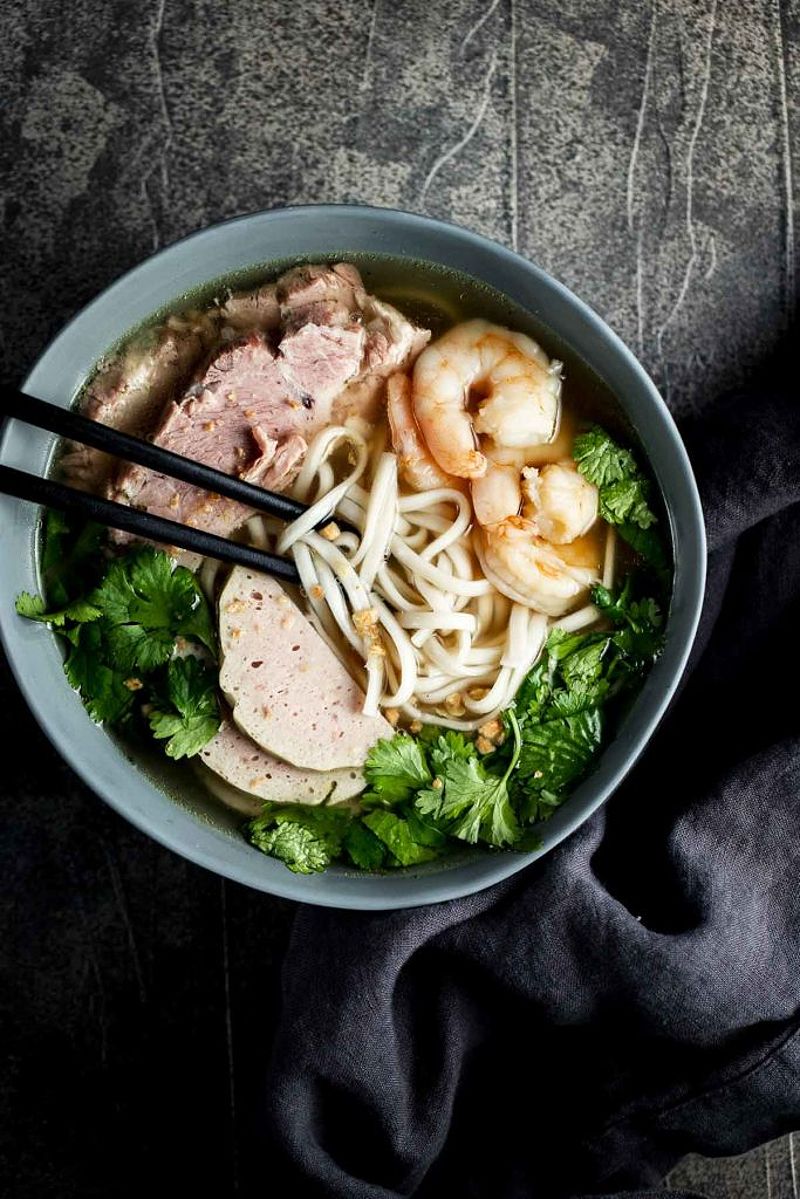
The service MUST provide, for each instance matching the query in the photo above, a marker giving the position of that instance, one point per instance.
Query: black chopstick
(67, 423)
(142, 524)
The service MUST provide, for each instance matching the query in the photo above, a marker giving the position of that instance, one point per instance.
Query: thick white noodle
(516, 647)
(608, 561)
(578, 620)
(380, 521)
(325, 442)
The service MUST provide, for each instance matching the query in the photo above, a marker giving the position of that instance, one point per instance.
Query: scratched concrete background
(641, 150)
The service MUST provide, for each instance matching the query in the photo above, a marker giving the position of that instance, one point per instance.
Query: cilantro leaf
(69, 557)
(422, 830)
(132, 647)
(639, 622)
(104, 691)
(447, 747)
(396, 834)
(624, 493)
(585, 664)
(648, 545)
(477, 803)
(472, 803)
(304, 837)
(33, 608)
(188, 716)
(364, 849)
(626, 500)
(143, 589)
(600, 459)
(395, 768)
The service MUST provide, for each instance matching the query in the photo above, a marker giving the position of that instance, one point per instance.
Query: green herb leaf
(624, 494)
(449, 746)
(561, 704)
(364, 849)
(395, 768)
(69, 558)
(188, 716)
(648, 545)
(639, 622)
(33, 608)
(396, 834)
(556, 753)
(133, 648)
(600, 459)
(106, 692)
(477, 803)
(626, 501)
(472, 803)
(304, 837)
(143, 589)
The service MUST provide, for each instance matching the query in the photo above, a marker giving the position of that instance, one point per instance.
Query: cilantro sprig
(186, 714)
(472, 802)
(563, 705)
(624, 494)
(122, 635)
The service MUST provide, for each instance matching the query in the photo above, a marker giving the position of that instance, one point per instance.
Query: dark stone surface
(641, 152)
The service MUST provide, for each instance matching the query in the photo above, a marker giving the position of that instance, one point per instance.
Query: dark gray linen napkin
(632, 997)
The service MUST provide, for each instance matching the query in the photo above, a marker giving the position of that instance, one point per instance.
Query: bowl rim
(407, 889)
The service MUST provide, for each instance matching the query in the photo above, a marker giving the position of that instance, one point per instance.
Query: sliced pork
(245, 311)
(287, 689)
(336, 296)
(132, 390)
(250, 415)
(316, 350)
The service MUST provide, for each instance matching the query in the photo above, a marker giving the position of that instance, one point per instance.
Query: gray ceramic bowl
(176, 813)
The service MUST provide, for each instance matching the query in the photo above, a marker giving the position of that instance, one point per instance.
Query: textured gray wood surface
(641, 151)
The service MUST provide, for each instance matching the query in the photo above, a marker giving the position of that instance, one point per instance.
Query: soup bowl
(165, 801)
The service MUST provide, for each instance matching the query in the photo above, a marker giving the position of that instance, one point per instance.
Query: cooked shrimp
(539, 455)
(541, 559)
(522, 389)
(497, 494)
(529, 570)
(559, 500)
(415, 465)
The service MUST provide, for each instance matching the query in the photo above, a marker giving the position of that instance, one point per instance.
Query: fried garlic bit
(490, 735)
(365, 623)
(454, 704)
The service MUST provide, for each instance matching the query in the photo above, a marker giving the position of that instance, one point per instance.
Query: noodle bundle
(405, 604)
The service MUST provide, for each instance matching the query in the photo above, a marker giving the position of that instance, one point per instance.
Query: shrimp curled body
(529, 570)
(520, 384)
(526, 556)
(414, 462)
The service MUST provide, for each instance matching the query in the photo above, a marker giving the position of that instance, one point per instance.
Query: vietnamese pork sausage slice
(287, 688)
(254, 776)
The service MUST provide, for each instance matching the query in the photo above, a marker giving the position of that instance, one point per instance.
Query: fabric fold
(631, 997)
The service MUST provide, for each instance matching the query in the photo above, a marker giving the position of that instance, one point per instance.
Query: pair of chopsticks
(65, 423)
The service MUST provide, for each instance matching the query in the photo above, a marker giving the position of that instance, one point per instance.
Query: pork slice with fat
(250, 414)
(336, 295)
(247, 311)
